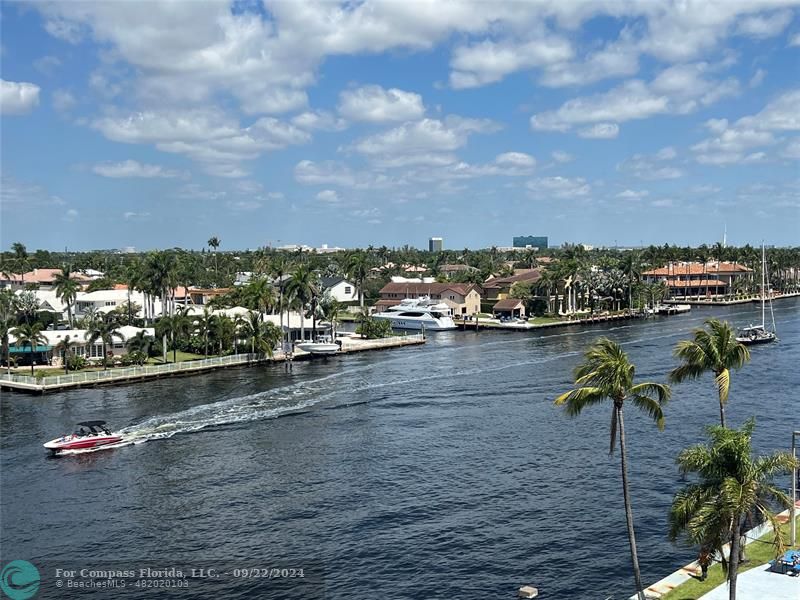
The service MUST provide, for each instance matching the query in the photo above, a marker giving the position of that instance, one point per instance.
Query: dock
(731, 301)
(477, 324)
(118, 376)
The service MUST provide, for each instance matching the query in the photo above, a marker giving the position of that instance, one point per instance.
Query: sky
(605, 122)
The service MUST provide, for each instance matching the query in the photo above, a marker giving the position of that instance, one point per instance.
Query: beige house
(462, 298)
(696, 279)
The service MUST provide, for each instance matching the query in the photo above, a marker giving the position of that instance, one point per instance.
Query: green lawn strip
(182, 356)
(757, 552)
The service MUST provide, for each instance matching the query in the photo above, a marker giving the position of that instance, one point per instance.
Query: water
(427, 472)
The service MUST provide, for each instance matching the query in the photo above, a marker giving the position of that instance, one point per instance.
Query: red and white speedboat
(92, 434)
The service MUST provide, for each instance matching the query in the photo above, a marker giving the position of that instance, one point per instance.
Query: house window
(348, 289)
(110, 303)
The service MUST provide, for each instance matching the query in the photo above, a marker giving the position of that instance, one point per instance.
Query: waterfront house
(462, 298)
(43, 279)
(339, 288)
(104, 301)
(452, 270)
(696, 279)
(498, 288)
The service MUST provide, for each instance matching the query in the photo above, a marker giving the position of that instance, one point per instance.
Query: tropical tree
(104, 329)
(8, 318)
(730, 488)
(280, 267)
(358, 268)
(30, 334)
(330, 310)
(714, 350)
(67, 290)
(302, 288)
(22, 261)
(66, 347)
(607, 374)
(213, 242)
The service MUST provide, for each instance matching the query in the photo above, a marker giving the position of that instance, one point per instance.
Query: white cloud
(633, 194)
(18, 98)
(194, 191)
(422, 142)
(63, 100)
(243, 205)
(516, 159)
(616, 59)
(666, 153)
(561, 157)
(136, 216)
(375, 104)
(132, 168)
(319, 120)
(792, 149)
(734, 142)
(757, 78)
(600, 131)
(308, 172)
(71, 215)
(764, 26)
(795, 40)
(489, 61)
(651, 168)
(47, 64)
(205, 135)
(675, 90)
(559, 187)
(328, 196)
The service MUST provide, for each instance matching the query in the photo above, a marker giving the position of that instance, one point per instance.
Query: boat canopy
(92, 423)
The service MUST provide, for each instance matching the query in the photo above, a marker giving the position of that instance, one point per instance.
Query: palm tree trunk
(31, 360)
(628, 510)
(105, 356)
(733, 559)
(721, 409)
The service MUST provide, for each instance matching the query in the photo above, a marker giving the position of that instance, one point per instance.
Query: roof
(696, 268)
(457, 268)
(508, 304)
(329, 282)
(526, 275)
(428, 288)
(386, 302)
(103, 295)
(48, 275)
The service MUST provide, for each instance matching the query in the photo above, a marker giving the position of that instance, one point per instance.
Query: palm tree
(213, 242)
(141, 342)
(21, 260)
(732, 486)
(302, 288)
(8, 318)
(607, 374)
(280, 267)
(105, 330)
(330, 309)
(358, 268)
(67, 290)
(30, 334)
(65, 347)
(715, 350)
(206, 324)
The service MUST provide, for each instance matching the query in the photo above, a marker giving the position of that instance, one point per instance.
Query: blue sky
(160, 124)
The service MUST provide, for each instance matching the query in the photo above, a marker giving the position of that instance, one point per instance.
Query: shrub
(134, 358)
(75, 362)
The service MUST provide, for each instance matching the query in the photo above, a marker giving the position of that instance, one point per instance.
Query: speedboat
(323, 345)
(91, 434)
(418, 313)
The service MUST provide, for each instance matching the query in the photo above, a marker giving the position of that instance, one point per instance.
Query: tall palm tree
(712, 350)
(141, 342)
(104, 329)
(21, 260)
(213, 242)
(29, 334)
(358, 267)
(607, 374)
(8, 318)
(732, 486)
(280, 267)
(330, 309)
(67, 290)
(302, 288)
(66, 347)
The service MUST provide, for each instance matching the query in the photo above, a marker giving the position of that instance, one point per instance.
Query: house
(104, 301)
(339, 288)
(462, 298)
(687, 279)
(47, 354)
(498, 288)
(511, 308)
(44, 279)
(202, 296)
(450, 270)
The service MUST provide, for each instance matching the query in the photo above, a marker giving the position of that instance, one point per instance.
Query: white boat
(323, 345)
(92, 434)
(418, 313)
(760, 334)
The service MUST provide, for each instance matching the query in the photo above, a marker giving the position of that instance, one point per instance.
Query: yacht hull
(417, 325)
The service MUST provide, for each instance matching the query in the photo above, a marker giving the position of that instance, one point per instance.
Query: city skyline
(160, 125)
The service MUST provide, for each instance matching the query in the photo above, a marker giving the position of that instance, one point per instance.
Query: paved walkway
(759, 583)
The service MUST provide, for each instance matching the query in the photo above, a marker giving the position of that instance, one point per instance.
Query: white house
(108, 300)
(81, 348)
(339, 288)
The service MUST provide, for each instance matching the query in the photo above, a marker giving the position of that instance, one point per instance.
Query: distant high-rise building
(435, 244)
(523, 241)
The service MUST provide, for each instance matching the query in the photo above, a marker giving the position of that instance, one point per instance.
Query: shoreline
(126, 375)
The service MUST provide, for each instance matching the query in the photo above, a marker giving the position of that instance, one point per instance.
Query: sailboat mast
(763, 284)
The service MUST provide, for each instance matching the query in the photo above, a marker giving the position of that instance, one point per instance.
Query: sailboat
(759, 334)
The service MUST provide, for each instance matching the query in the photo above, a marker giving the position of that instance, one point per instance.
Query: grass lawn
(182, 356)
(757, 552)
(547, 320)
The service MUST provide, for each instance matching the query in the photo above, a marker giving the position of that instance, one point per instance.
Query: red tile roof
(526, 275)
(428, 288)
(696, 282)
(695, 268)
(49, 275)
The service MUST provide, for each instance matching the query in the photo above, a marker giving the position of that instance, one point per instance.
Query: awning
(24, 349)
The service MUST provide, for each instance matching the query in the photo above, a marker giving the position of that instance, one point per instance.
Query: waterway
(437, 471)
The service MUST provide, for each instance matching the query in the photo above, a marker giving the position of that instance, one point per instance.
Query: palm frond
(576, 400)
(651, 407)
(723, 381)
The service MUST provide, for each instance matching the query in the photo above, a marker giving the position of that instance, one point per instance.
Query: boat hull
(319, 348)
(748, 341)
(418, 325)
(71, 442)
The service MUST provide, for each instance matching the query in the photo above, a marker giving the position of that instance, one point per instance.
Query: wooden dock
(478, 324)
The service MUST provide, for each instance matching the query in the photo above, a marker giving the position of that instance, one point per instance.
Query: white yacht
(418, 313)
